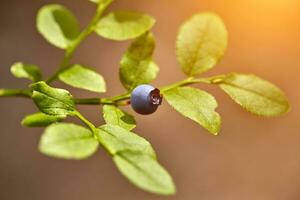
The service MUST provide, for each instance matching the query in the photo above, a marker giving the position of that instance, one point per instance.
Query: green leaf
(116, 139)
(137, 66)
(21, 70)
(197, 105)
(68, 141)
(3, 92)
(58, 25)
(201, 42)
(145, 172)
(123, 25)
(256, 95)
(52, 101)
(142, 48)
(99, 1)
(81, 77)
(41, 120)
(115, 116)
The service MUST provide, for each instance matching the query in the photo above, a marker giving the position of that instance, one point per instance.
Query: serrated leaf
(58, 25)
(116, 139)
(41, 120)
(68, 141)
(115, 116)
(137, 66)
(21, 70)
(197, 105)
(201, 42)
(52, 101)
(82, 77)
(256, 95)
(123, 25)
(145, 172)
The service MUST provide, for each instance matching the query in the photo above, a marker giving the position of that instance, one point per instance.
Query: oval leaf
(145, 172)
(58, 25)
(256, 95)
(116, 139)
(21, 70)
(197, 105)
(41, 120)
(115, 116)
(68, 141)
(137, 66)
(52, 101)
(84, 78)
(201, 42)
(124, 25)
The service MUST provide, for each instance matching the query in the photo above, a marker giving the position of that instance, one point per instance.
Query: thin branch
(65, 64)
(119, 100)
(14, 93)
(86, 122)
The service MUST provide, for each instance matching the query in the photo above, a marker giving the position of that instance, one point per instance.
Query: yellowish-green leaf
(201, 42)
(21, 70)
(52, 101)
(82, 77)
(41, 120)
(123, 25)
(137, 66)
(68, 141)
(116, 139)
(197, 105)
(58, 25)
(256, 95)
(145, 172)
(115, 116)
(100, 1)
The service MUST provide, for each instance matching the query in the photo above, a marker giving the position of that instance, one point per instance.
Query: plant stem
(93, 101)
(85, 121)
(65, 64)
(120, 98)
(105, 101)
(14, 92)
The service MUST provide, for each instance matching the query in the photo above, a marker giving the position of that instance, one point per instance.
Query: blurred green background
(252, 158)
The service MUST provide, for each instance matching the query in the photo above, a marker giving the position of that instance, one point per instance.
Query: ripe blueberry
(145, 99)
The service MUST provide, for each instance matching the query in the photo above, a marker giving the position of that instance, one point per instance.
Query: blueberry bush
(201, 43)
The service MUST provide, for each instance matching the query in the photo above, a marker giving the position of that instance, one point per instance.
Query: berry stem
(117, 100)
(104, 101)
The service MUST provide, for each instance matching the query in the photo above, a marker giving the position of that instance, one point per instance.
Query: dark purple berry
(145, 99)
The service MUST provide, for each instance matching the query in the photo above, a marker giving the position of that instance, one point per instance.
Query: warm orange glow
(275, 3)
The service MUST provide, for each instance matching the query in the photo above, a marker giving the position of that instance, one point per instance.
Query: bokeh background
(252, 158)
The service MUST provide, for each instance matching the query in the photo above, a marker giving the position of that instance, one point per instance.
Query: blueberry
(145, 99)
